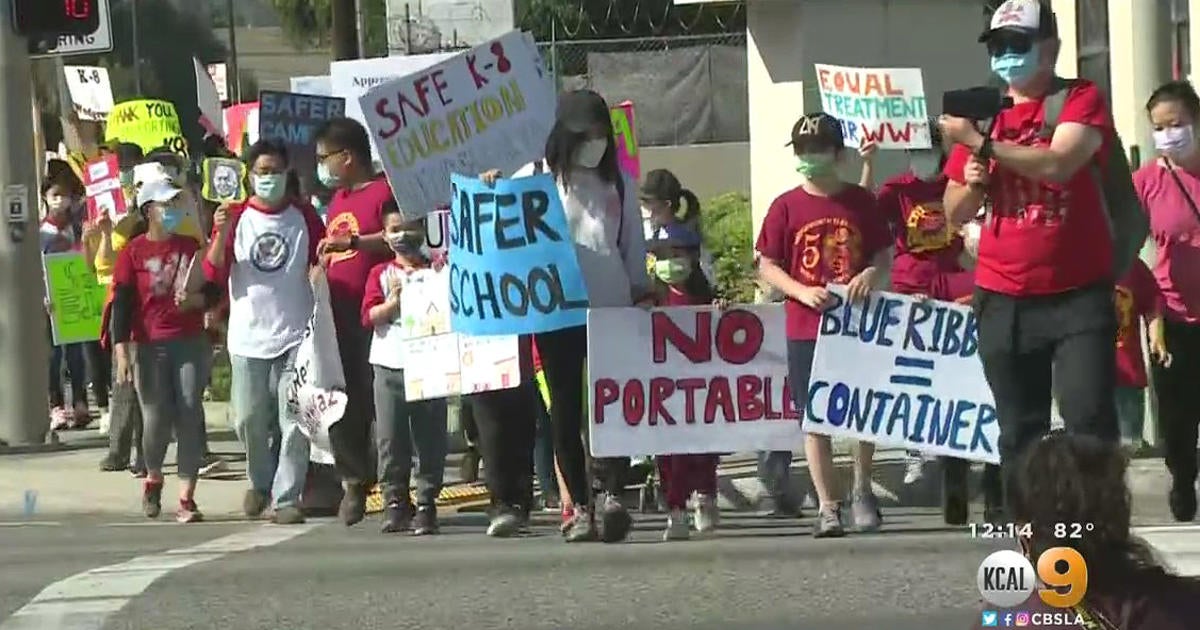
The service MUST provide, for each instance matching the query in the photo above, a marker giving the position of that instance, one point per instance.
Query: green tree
(727, 227)
(309, 23)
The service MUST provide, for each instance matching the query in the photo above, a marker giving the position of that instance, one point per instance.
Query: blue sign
(513, 268)
(293, 120)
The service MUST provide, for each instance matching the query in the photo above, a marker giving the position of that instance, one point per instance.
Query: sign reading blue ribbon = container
(513, 268)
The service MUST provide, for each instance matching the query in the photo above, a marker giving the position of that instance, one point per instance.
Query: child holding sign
(57, 234)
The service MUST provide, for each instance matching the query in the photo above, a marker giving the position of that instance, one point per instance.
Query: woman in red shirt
(158, 332)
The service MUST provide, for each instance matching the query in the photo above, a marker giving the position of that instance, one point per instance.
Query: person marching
(58, 234)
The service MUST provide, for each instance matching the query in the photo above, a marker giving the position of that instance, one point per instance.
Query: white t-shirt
(387, 345)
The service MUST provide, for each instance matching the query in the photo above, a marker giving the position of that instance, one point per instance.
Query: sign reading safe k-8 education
(881, 105)
(293, 119)
(895, 370)
(513, 267)
(689, 380)
(488, 107)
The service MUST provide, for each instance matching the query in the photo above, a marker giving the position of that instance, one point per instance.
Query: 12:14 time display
(990, 531)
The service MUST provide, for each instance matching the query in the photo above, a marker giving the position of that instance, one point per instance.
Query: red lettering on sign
(660, 391)
(738, 338)
(719, 397)
(480, 80)
(604, 392)
(749, 398)
(633, 402)
(689, 387)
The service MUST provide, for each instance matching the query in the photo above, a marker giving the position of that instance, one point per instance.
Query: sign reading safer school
(895, 370)
(881, 105)
(488, 107)
(150, 124)
(513, 268)
(293, 120)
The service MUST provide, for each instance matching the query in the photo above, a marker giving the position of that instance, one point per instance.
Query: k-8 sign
(98, 41)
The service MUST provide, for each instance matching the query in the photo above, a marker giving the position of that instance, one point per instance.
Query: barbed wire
(624, 17)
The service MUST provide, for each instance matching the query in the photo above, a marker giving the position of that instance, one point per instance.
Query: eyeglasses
(321, 157)
(1002, 42)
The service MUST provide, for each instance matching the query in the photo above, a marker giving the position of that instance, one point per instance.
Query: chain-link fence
(685, 89)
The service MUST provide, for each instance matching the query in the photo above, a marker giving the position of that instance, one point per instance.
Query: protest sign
(241, 126)
(219, 72)
(899, 371)
(626, 136)
(438, 362)
(150, 124)
(223, 180)
(689, 380)
(513, 267)
(90, 91)
(76, 299)
(881, 105)
(208, 100)
(102, 185)
(437, 228)
(293, 119)
(485, 108)
(314, 85)
(315, 386)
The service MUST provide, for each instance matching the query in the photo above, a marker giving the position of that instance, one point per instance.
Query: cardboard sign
(689, 380)
(293, 120)
(437, 232)
(485, 108)
(513, 266)
(76, 298)
(893, 370)
(881, 105)
(90, 90)
(102, 185)
(241, 126)
(150, 124)
(224, 180)
(625, 134)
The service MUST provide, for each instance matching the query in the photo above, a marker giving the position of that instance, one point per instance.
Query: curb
(453, 495)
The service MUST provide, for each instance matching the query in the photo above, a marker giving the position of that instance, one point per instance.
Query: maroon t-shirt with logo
(926, 243)
(358, 211)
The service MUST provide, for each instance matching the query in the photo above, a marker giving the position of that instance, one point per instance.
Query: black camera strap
(1179, 182)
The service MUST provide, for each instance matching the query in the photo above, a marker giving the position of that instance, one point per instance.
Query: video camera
(977, 103)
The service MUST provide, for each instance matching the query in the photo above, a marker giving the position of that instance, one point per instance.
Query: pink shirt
(1176, 233)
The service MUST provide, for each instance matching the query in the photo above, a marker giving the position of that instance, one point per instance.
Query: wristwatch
(353, 241)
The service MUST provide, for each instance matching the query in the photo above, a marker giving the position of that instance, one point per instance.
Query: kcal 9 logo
(1007, 578)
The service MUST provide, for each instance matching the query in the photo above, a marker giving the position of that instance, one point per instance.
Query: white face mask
(56, 204)
(590, 152)
(924, 164)
(1175, 142)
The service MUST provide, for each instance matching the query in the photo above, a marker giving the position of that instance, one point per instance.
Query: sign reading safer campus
(488, 107)
(513, 268)
(895, 370)
(881, 105)
(293, 120)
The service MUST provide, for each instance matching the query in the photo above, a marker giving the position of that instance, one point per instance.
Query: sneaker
(139, 472)
(829, 522)
(112, 463)
(211, 465)
(397, 517)
(152, 497)
(254, 503)
(288, 515)
(469, 466)
(615, 521)
(60, 418)
(677, 526)
(914, 468)
(1182, 500)
(505, 524)
(568, 517)
(188, 512)
(581, 527)
(865, 512)
(771, 507)
(549, 502)
(706, 514)
(425, 523)
(105, 422)
(354, 505)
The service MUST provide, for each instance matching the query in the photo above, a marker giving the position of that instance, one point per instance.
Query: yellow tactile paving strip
(452, 495)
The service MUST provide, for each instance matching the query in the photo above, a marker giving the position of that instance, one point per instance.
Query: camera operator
(1044, 296)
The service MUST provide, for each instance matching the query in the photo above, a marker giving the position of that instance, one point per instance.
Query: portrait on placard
(224, 180)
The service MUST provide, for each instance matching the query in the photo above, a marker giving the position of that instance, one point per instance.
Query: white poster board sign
(896, 371)
(90, 91)
(689, 380)
(881, 105)
(489, 107)
(315, 388)
(220, 76)
(313, 85)
(440, 363)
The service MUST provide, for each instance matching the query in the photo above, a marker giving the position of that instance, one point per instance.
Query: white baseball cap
(1033, 17)
(157, 190)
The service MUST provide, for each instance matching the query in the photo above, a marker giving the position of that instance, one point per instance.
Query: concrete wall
(785, 39)
(707, 169)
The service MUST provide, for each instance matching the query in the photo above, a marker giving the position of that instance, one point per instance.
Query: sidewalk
(1178, 546)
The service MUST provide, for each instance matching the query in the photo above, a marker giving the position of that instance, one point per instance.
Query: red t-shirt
(821, 240)
(675, 297)
(373, 294)
(1043, 238)
(926, 243)
(1137, 296)
(355, 212)
(153, 268)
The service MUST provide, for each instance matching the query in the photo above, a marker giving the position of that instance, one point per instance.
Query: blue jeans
(276, 449)
(543, 450)
(72, 353)
(774, 468)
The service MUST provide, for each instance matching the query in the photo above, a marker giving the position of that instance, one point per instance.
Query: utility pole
(233, 69)
(137, 56)
(360, 26)
(24, 418)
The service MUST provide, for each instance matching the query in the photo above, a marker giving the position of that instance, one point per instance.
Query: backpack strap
(1053, 105)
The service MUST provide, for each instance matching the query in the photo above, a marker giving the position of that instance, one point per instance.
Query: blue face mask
(171, 218)
(1016, 69)
(327, 179)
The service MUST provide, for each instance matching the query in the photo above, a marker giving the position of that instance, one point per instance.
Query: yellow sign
(150, 124)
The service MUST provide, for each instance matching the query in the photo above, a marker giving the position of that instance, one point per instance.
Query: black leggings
(99, 369)
(1177, 392)
(506, 421)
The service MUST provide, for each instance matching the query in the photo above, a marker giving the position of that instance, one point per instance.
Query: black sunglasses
(1002, 42)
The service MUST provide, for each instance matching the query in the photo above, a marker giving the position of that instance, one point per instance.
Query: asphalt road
(757, 575)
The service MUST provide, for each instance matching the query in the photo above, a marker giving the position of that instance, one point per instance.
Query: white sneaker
(677, 526)
(914, 468)
(706, 515)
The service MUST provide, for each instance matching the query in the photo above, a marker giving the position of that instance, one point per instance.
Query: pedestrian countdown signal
(53, 18)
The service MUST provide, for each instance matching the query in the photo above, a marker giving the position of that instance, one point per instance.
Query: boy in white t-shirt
(403, 426)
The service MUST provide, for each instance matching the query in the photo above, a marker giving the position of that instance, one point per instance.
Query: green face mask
(816, 164)
(672, 270)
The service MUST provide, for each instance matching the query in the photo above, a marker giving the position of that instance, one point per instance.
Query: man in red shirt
(355, 243)
(1044, 275)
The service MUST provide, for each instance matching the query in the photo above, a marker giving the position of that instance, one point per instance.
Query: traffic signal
(52, 18)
